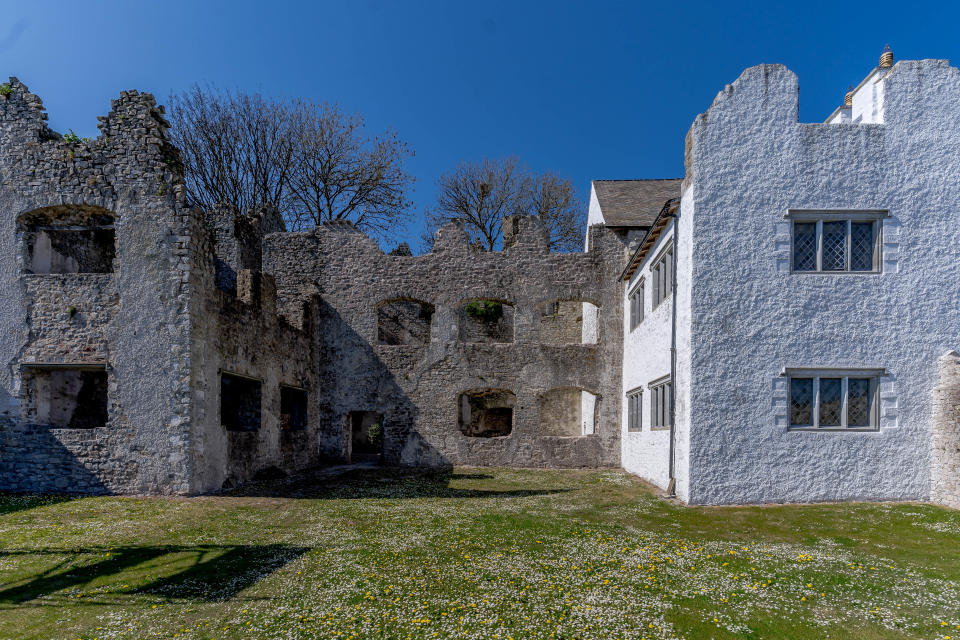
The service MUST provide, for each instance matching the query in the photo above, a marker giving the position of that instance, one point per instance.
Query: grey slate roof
(634, 203)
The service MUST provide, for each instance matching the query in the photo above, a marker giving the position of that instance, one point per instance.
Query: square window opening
(293, 408)
(70, 398)
(240, 403)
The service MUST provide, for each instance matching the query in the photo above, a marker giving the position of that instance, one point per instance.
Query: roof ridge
(633, 179)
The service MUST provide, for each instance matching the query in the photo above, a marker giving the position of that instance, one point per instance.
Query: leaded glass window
(833, 401)
(834, 246)
(801, 401)
(861, 246)
(847, 244)
(805, 246)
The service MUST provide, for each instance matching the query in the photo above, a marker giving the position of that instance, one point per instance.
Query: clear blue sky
(590, 89)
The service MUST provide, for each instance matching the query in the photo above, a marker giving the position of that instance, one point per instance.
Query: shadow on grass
(198, 572)
(14, 502)
(381, 482)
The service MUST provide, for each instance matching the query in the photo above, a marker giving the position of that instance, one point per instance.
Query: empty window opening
(486, 321)
(239, 403)
(366, 436)
(568, 322)
(70, 398)
(487, 413)
(567, 411)
(293, 408)
(404, 322)
(68, 240)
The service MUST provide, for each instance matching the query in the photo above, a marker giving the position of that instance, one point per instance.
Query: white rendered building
(788, 307)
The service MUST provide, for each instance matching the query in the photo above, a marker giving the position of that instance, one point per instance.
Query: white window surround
(636, 302)
(848, 216)
(635, 410)
(874, 376)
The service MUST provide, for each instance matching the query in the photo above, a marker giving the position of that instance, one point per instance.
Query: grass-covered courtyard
(476, 553)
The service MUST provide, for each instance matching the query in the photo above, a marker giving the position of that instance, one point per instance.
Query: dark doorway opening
(366, 436)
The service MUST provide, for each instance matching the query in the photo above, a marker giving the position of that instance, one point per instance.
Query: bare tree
(481, 194)
(338, 174)
(236, 148)
(308, 159)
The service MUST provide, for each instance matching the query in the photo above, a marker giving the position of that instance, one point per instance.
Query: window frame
(661, 273)
(635, 410)
(661, 394)
(636, 300)
(845, 375)
(819, 217)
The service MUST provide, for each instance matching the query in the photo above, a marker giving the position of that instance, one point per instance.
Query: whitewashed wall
(646, 357)
(749, 316)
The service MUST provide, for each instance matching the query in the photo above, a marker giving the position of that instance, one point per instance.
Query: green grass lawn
(476, 553)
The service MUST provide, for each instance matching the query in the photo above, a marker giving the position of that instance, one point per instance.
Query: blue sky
(589, 89)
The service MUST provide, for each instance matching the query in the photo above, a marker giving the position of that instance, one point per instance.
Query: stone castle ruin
(152, 348)
(778, 326)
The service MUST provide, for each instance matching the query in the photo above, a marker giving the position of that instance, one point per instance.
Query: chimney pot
(886, 58)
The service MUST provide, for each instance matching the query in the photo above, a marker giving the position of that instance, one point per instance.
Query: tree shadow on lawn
(196, 572)
(14, 502)
(381, 482)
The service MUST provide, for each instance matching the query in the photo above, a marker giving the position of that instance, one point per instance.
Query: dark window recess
(69, 250)
(293, 408)
(366, 436)
(404, 322)
(71, 399)
(487, 413)
(239, 403)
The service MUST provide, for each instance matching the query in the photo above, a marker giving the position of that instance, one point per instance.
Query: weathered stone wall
(244, 335)
(417, 388)
(945, 453)
(133, 322)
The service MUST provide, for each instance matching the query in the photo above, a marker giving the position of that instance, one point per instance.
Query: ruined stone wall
(132, 322)
(945, 441)
(242, 334)
(417, 388)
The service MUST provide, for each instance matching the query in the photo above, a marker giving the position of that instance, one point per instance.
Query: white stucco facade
(744, 316)
(646, 358)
